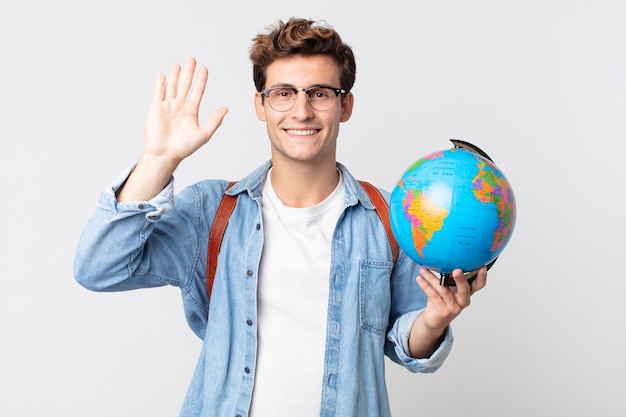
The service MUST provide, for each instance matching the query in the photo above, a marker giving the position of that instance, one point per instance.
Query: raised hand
(172, 131)
(172, 128)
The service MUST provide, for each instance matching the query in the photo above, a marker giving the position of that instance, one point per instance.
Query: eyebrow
(286, 85)
(282, 85)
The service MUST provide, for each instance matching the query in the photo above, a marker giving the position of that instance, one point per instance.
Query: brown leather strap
(227, 205)
(382, 208)
(224, 210)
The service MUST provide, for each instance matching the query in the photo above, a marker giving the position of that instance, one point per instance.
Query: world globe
(453, 209)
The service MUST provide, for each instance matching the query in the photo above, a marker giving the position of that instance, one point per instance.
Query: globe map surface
(452, 209)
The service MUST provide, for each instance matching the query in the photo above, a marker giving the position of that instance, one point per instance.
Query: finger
(463, 290)
(480, 281)
(440, 297)
(429, 290)
(438, 292)
(186, 79)
(460, 280)
(198, 89)
(172, 81)
(159, 87)
(429, 277)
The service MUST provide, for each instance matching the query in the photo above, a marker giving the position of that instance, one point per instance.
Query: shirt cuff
(154, 208)
(399, 336)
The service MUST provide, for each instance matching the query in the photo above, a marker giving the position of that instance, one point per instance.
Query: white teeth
(301, 132)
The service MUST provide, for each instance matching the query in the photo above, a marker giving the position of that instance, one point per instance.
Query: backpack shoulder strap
(218, 228)
(227, 205)
(382, 209)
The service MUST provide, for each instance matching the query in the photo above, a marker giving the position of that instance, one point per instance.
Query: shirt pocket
(374, 295)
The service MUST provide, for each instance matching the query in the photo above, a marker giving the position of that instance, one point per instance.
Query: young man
(307, 297)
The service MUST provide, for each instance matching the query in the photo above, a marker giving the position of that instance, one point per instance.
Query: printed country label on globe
(453, 209)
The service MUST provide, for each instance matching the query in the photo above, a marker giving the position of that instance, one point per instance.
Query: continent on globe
(425, 216)
(490, 187)
(453, 209)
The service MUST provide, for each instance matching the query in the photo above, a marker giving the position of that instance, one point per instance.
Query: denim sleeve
(153, 209)
(122, 248)
(399, 338)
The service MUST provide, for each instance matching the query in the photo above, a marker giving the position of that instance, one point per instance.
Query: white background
(539, 85)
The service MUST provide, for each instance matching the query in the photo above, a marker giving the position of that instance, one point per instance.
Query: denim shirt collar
(253, 184)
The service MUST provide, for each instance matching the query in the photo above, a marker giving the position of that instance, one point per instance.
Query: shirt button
(331, 379)
(249, 272)
(140, 206)
(249, 322)
(238, 415)
(258, 226)
(246, 370)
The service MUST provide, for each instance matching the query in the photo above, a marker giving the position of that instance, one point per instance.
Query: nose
(302, 108)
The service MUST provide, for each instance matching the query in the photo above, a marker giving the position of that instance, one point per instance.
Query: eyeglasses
(320, 97)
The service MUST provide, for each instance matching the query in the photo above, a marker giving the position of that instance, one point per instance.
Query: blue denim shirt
(371, 306)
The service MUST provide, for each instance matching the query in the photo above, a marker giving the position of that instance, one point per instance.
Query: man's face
(302, 133)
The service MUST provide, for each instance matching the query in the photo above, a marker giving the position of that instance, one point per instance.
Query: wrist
(149, 177)
(424, 339)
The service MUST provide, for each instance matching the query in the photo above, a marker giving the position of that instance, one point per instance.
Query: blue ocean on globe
(453, 209)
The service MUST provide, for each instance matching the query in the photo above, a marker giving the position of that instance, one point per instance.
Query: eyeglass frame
(266, 94)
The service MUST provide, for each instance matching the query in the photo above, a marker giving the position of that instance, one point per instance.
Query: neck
(304, 186)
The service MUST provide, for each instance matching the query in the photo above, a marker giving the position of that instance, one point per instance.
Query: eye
(320, 93)
(282, 93)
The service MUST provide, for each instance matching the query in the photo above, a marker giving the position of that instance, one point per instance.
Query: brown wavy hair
(301, 37)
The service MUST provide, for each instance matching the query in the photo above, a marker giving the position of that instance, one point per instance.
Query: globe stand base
(447, 280)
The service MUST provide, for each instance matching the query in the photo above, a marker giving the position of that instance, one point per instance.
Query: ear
(348, 105)
(259, 107)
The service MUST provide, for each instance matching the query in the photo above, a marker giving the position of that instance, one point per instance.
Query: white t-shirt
(292, 304)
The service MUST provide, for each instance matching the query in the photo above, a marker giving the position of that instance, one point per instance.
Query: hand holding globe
(453, 209)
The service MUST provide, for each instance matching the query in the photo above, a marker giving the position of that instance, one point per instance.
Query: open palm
(172, 128)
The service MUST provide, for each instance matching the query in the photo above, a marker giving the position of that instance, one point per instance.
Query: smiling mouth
(302, 132)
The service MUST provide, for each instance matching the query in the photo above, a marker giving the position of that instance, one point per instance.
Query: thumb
(214, 121)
